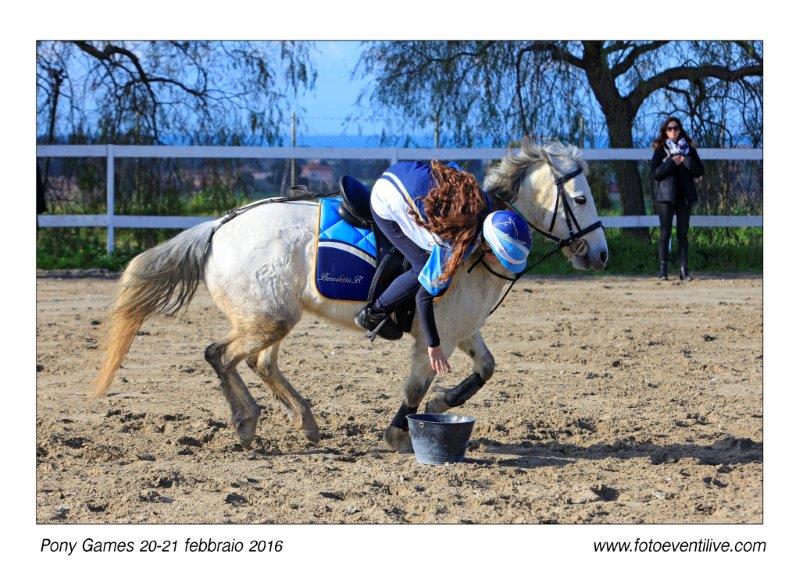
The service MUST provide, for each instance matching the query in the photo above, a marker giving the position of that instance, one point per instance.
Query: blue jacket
(413, 180)
(433, 269)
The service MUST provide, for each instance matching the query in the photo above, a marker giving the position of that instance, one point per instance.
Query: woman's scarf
(680, 148)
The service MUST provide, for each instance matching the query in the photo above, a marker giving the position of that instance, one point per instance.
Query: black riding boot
(378, 323)
(663, 273)
(684, 272)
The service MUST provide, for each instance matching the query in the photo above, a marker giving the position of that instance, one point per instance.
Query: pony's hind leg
(265, 365)
(224, 356)
(482, 368)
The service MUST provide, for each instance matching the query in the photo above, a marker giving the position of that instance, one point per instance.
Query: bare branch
(615, 46)
(144, 77)
(664, 78)
(748, 48)
(631, 57)
(558, 53)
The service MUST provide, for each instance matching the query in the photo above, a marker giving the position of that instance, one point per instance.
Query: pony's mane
(503, 180)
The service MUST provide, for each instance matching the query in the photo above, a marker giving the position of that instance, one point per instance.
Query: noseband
(574, 241)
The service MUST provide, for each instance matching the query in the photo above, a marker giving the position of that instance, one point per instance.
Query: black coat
(666, 175)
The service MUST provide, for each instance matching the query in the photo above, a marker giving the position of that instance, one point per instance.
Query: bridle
(574, 241)
(576, 233)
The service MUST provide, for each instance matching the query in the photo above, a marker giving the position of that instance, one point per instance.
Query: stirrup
(372, 334)
(386, 327)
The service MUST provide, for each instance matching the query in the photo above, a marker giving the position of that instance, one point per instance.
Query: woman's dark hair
(453, 207)
(662, 133)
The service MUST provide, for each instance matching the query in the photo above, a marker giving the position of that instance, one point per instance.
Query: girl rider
(435, 215)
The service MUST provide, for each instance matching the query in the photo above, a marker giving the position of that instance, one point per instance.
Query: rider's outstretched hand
(438, 360)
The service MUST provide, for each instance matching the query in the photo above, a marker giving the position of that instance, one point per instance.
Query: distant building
(317, 172)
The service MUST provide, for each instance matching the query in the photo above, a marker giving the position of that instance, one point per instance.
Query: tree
(161, 92)
(498, 91)
(169, 91)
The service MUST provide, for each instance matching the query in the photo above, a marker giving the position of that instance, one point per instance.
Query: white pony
(259, 269)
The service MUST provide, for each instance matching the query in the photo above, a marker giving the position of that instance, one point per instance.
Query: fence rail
(110, 221)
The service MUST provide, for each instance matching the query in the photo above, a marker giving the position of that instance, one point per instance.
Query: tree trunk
(41, 204)
(619, 119)
(630, 185)
(58, 78)
(628, 180)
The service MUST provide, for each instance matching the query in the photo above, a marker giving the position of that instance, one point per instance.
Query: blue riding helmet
(509, 238)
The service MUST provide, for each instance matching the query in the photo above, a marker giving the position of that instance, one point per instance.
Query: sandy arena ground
(615, 400)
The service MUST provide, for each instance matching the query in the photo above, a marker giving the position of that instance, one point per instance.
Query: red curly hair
(455, 209)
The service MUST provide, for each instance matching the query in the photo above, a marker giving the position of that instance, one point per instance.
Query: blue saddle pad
(346, 255)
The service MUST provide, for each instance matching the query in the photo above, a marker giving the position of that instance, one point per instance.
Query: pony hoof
(312, 434)
(306, 423)
(246, 429)
(398, 439)
(436, 405)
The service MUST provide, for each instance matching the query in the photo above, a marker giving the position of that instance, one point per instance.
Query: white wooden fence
(110, 221)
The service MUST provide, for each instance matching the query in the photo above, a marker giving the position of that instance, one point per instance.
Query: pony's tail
(160, 280)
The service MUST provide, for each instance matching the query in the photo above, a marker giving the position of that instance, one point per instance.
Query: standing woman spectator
(673, 168)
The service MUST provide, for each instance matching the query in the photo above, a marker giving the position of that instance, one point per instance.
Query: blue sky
(323, 110)
(335, 93)
(334, 97)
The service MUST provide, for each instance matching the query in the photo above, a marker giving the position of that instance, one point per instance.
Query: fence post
(110, 198)
(293, 179)
(393, 154)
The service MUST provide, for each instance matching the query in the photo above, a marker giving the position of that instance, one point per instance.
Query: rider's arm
(427, 321)
(431, 286)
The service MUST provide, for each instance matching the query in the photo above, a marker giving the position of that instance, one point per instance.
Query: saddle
(354, 209)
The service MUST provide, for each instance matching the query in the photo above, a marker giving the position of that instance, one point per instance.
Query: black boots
(684, 272)
(378, 323)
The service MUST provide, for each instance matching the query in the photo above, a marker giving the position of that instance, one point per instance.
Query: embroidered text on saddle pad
(346, 255)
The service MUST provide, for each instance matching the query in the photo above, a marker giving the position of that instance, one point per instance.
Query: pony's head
(527, 181)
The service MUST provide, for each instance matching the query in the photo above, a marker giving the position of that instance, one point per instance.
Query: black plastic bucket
(439, 438)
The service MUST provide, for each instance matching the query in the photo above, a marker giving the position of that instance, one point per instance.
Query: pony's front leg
(482, 369)
(414, 389)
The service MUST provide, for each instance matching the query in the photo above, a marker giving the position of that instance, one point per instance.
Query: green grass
(710, 249)
(85, 248)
